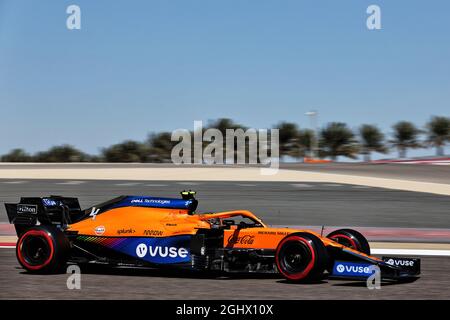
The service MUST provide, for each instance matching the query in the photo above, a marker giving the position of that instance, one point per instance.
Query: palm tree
(127, 151)
(64, 153)
(438, 130)
(336, 139)
(306, 137)
(405, 137)
(160, 146)
(222, 124)
(289, 135)
(16, 155)
(294, 142)
(372, 140)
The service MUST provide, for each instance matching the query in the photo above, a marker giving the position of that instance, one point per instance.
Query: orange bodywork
(140, 222)
(162, 222)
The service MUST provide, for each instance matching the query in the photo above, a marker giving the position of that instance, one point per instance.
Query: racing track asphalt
(110, 283)
(276, 203)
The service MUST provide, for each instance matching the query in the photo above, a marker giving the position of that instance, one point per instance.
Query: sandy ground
(220, 174)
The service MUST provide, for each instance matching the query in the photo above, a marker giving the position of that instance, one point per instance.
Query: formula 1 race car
(142, 231)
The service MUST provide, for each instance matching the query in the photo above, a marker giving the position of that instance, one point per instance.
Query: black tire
(43, 249)
(301, 257)
(350, 238)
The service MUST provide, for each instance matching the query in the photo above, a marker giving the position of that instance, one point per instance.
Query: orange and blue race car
(143, 231)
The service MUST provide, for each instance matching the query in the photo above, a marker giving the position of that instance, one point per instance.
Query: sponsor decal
(246, 239)
(153, 232)
(267, 232)
(99, 230)
(141, 201)
(125, 231)
(27, 208)
(150, 201)
(352, 269)
(400, 262)
(161, 251)
(94, 213)
(49, 202)
(141, 250)
(273, 233)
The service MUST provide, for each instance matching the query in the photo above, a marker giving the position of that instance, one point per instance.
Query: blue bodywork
(153, 202)
(353, 269)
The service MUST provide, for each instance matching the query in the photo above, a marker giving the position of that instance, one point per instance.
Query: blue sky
(141, 66)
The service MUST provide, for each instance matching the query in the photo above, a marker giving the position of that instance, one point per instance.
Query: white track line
(301, 185)
(71, 183)
(412, 252)
(128, 184)
(188, 183)
(15, 182)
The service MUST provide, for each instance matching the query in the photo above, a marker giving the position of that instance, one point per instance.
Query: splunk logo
(143, 250)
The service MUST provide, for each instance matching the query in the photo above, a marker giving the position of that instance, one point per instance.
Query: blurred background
(115, 89)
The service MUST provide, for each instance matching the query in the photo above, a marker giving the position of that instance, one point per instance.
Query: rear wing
(52, 210)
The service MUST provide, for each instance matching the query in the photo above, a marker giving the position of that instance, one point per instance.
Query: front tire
(43, 249)
(350, 238)
(301, 257)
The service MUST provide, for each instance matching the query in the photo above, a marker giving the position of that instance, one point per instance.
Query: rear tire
(43, 249)
(301, 257)
(350, 238)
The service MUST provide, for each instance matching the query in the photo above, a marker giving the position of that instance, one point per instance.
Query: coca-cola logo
(247, 239)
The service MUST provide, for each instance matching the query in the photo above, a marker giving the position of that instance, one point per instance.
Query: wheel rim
(295, 258)
(345, 241)
(35, 249)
